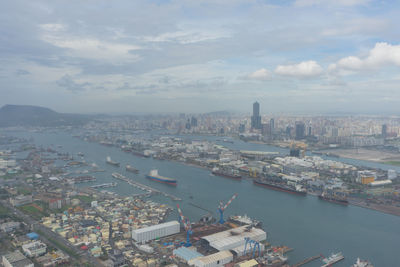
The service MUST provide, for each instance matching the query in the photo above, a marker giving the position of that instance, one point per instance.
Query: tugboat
(334, 258)
(111, 162)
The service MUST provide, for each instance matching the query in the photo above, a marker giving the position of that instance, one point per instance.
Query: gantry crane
(222, 207)
(186, 225)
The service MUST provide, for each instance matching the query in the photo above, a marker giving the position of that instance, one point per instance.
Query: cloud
(305, 69)
(261, 74)
(305, 3)
(383, 54)
(68, 83)
(22, 72)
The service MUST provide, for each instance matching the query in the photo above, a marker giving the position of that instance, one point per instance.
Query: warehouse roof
(186, 253)
(155, 227)
(215, 257)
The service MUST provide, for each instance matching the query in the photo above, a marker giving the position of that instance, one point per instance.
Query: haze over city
(301, 56)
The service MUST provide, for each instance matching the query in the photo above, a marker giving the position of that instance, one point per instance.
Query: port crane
(222, 207)
(253, 245)
(187, 225)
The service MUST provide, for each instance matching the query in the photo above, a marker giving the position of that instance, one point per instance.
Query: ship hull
(227, 175)
(336, 201)
(333, 262)
(116, 164)
(278, 188)
(162, 180)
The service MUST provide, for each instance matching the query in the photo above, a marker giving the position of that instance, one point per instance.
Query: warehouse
(214, 260)
(186, 254)
(234, 238)
(155, 231)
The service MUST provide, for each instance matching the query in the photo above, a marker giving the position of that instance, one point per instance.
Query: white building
(234, 238)
(9, 226)
(156, 231)
(16, 259)
(214, 260)
(4, 164)
(34, 249)
(391, 174)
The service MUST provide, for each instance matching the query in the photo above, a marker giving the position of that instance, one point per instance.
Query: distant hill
(21, 115)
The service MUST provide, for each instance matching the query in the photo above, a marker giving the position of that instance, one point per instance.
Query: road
(36, 226)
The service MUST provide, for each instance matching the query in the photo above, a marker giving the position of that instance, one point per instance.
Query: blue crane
(252, 245)
(222, 207)
(186, 225)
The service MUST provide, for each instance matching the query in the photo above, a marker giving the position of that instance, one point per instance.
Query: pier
(104, 185)
(305, 261)
(143, 187)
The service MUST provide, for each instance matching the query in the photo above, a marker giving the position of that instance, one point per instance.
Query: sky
(126, 56)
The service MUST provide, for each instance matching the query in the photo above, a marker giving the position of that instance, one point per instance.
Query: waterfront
(307, 224)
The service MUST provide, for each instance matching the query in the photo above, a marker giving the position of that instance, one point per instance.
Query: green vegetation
(394, 163)
(85, 199)
(24, 190)
(37, 210)
(3, 211)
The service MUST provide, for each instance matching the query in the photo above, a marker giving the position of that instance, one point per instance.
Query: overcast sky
(306, 56)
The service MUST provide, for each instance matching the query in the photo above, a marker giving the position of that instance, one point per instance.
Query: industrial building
(214, 260)
(16, 259)
(234, 238)
(155, 231)
(186, 254)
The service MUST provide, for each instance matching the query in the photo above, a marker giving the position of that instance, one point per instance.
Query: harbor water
(305, 223)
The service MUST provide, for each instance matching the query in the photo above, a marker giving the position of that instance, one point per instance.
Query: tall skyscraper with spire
(256, 118)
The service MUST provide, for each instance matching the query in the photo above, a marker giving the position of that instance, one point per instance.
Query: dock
(305, 261)
(105, 185)
(143, 187)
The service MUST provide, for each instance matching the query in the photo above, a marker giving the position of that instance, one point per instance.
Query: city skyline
(304, 56)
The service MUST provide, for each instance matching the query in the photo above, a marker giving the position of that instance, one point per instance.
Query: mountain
(21, 115)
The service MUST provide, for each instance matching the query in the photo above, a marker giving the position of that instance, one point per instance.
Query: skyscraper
(256, 118)
(300, 129)
(272, 125)
(384, 130)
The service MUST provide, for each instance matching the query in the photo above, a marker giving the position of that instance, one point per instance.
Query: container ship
(111, 162)
(129, 168)
(226, 173)
(280, 186)
(153, 175)
(334, 198)
(334, 258)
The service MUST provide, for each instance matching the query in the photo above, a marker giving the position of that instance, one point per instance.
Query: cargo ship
(129, 168)
(334, 258)
(334, 198)
(244, 220)
(281, 186)
(226, 173)
(153, 175)
(111, 162)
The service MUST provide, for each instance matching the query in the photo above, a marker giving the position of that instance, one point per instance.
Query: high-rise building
(242, 128)
(256, 118)
(193, 122)
(384, 130)
(272, 125)
(300, 130)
